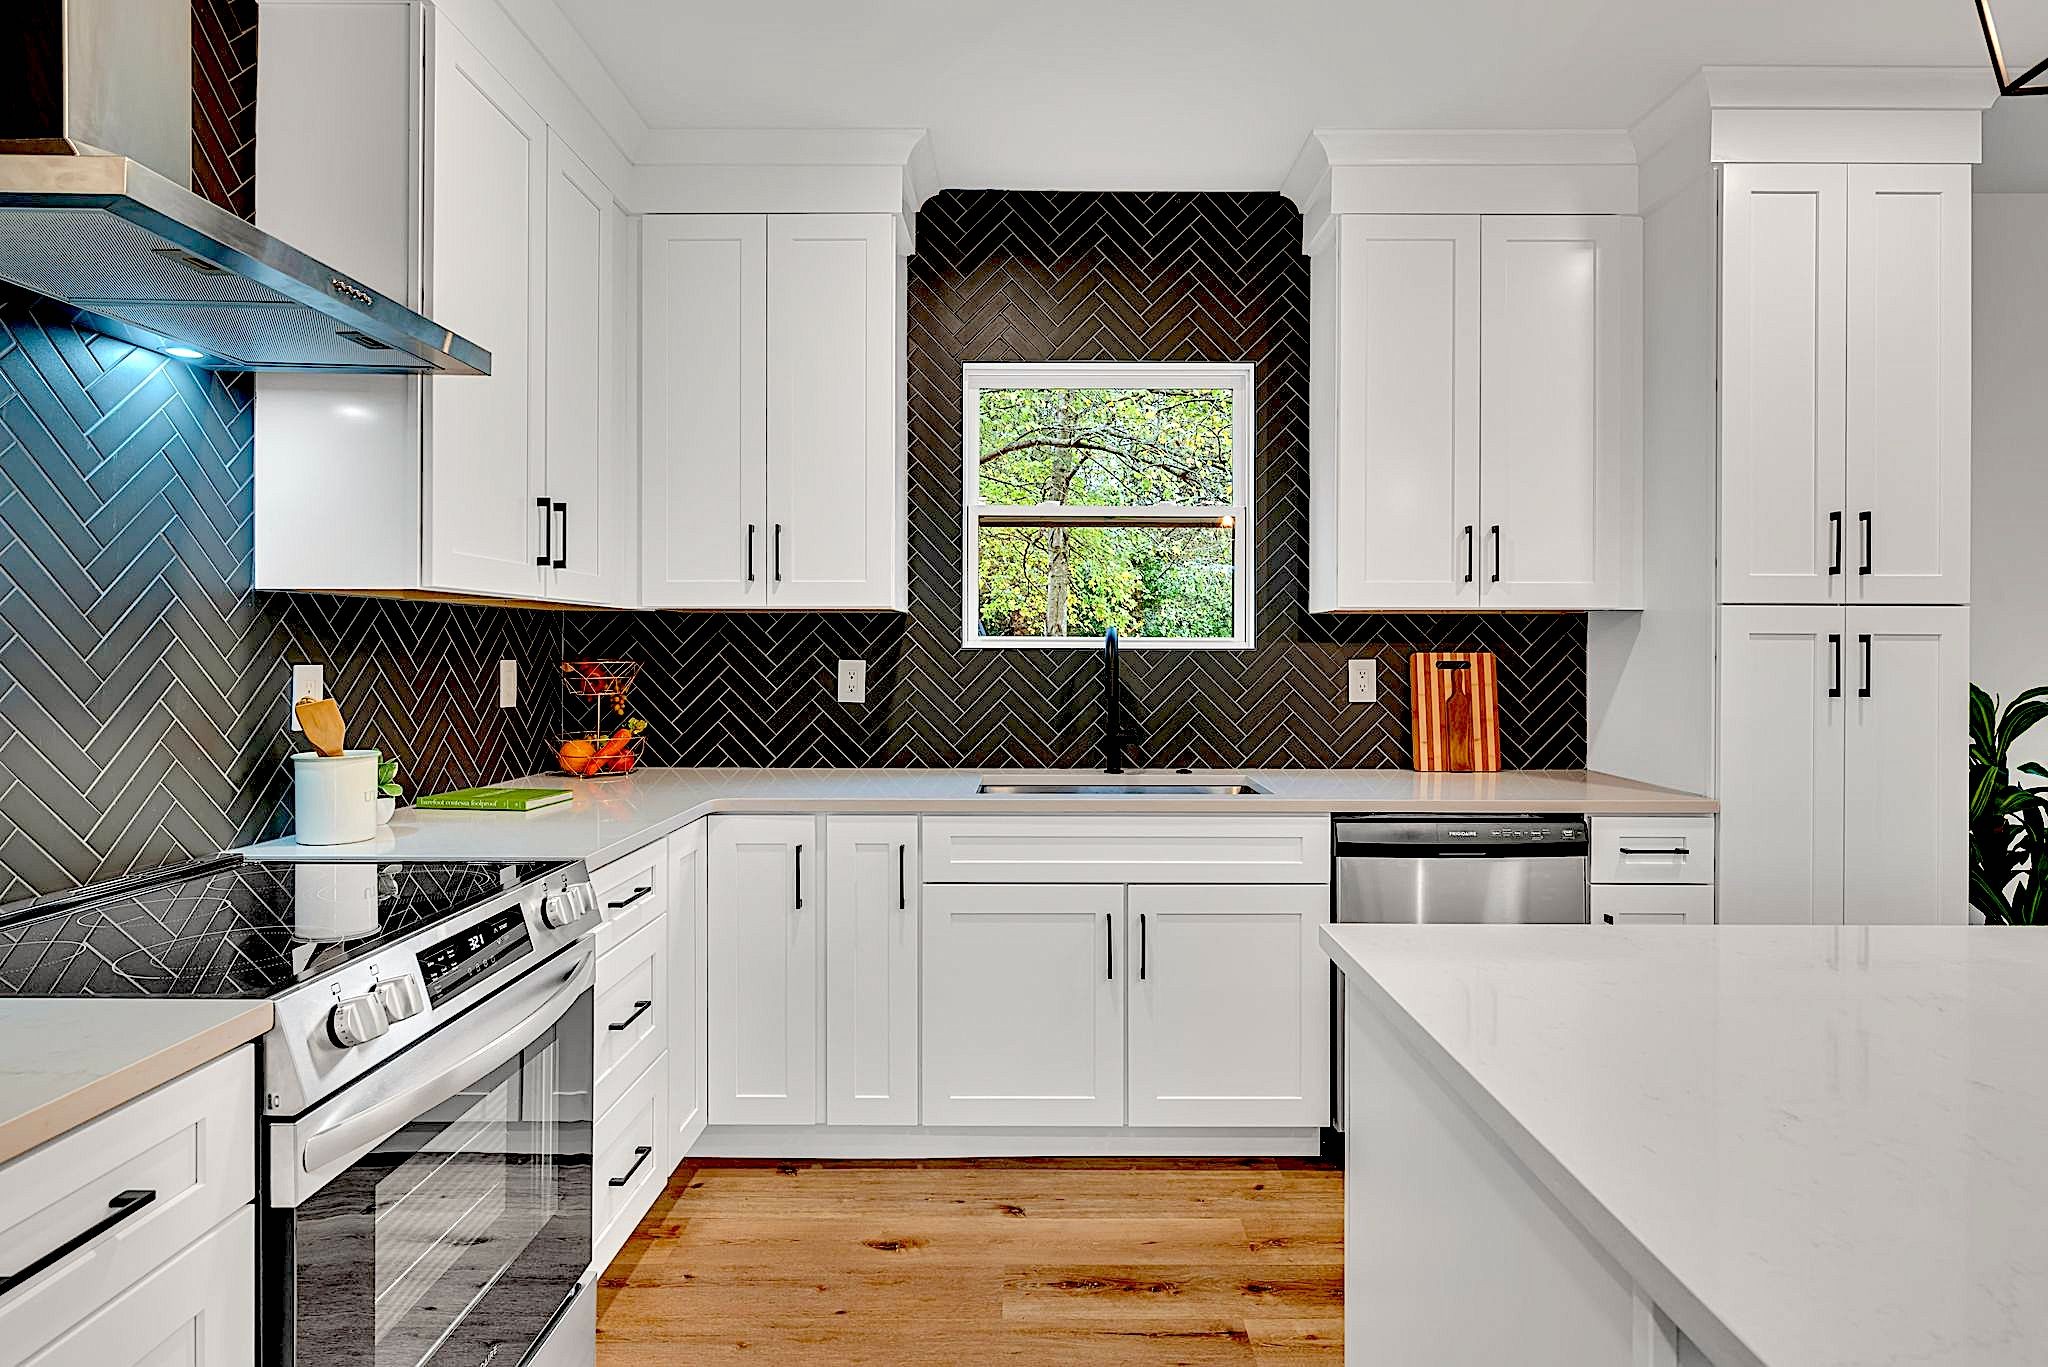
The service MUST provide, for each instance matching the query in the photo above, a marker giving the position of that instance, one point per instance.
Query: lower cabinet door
(1230, 1006)
(766, 900)
(1023, 1004)
(871, 970)
(197, 1310)
(629, 1164)
(1653, 904)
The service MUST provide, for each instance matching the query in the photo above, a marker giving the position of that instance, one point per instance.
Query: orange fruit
(576, 756)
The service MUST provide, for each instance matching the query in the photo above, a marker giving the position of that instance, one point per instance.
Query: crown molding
(1849, 87)
(784, 170)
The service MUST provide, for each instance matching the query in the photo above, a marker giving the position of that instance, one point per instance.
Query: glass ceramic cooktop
(235, 930)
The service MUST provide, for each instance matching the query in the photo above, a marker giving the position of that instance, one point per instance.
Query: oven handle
(351, 1125)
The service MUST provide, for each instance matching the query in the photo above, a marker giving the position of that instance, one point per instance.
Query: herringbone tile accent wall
(1023, 276)
(224, 103)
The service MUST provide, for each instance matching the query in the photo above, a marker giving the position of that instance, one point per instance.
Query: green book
(493, 799)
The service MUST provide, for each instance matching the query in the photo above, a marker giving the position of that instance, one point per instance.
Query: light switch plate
(1364, 679)
(508, 683)
(853, 681)
(308, 681)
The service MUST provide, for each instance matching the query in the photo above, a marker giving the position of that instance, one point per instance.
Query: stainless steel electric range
(426, 1125)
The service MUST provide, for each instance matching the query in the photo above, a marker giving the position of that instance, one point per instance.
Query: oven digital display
(452, 964)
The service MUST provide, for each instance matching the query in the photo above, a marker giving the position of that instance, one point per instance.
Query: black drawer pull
(640, 1155)
(120, 1208)
(625, 902)
(1609, 919)
(1679, 850)
(639, 1010)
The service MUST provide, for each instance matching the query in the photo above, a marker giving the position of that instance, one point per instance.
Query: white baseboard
(919, 1141)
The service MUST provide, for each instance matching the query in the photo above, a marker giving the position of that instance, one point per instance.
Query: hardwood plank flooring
(916, 1264)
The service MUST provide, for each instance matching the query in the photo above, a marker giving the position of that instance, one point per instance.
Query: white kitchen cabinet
(1229, 1006)
(704, 410)
(688, 984)
(1906, 784)
(1023, 989)
(1394, 408)
(1653, 904)
(1845, 384)
(767, 904)
(871, 977)
(1476, 413)
(1560, 424)
(1843, 758)
(446, 189)
(630, 1161)
(772, 402)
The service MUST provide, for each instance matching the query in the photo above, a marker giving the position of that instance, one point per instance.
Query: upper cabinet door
(835, 412)
(1909, 384)
(1561, 414)
(589, 466)
(488, 154)
(1785, 674)
(1394, 414)
(1784, 325)
(703, 411)
(1906, 792)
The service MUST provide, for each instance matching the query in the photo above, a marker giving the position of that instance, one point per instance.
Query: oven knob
(357, 1020)
(558, 909)
(401, 997)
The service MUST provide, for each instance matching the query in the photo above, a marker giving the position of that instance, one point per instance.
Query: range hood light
(185, 353)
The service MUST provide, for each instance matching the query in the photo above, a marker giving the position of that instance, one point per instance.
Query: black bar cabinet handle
(1863, 520)
(1608, 917)
(639, 1010)
(1469, 529)
(902, 881)
(1495, 534)
(625, 902)
(1863, 639)
(120, 1208)
(799, 878)
(1109, 944)
(750, 552)
(640, 1155)
(1679, 850)
(778, 552)
(547, 534)
(1835, 538)
(562, 557)
(1142, 955)
(1835, 641)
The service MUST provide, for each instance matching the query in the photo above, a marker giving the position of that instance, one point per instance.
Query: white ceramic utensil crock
(335, 799)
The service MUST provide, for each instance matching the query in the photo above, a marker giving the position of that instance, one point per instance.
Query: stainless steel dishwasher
(1490, 870)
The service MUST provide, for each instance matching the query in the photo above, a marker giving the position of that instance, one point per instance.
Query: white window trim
(1234, 376)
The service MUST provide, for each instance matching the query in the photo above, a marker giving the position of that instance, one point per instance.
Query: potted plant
(388, 791)
(2008, 821)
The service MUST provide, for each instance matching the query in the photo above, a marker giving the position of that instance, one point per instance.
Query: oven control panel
(449, 965)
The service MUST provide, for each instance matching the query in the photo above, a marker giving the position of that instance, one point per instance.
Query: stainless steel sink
(1122, 789)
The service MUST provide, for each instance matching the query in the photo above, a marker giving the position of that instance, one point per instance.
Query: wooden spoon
(320, 719)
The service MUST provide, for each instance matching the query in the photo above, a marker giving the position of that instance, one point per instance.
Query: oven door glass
(454, 1242)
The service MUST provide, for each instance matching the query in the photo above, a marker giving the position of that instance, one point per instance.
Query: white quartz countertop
(613, 817)
(1813, 1146)
(66, 1061)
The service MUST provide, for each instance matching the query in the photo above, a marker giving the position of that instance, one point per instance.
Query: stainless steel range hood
(138, 255)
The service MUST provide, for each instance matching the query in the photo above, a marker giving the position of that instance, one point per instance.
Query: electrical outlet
(853, 681)
(508, 683)
(308, 681)
(1364, 680)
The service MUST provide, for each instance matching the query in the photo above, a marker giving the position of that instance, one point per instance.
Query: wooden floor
(1051, 1261)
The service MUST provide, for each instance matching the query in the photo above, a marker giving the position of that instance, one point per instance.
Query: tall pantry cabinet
(1845, 527)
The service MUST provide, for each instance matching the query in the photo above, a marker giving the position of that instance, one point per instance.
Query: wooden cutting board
(1456, 705)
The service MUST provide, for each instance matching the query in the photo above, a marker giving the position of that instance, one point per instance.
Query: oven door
(438, 1213)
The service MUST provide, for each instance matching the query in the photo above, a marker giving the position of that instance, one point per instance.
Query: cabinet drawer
(630, 1016)
(631, 892)
(629, 1167)
(1126, 849)
(191, 1142)
(1672, 904)
(1653, 849)
(198, 1309)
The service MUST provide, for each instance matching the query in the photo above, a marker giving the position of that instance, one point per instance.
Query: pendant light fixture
(2032, 81)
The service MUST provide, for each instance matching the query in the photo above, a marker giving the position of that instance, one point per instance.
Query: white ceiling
(1210, 94)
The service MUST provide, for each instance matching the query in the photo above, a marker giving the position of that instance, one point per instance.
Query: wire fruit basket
(611, 747)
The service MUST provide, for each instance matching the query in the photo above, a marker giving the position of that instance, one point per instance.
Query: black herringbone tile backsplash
(143, 683)
(1031, 276)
